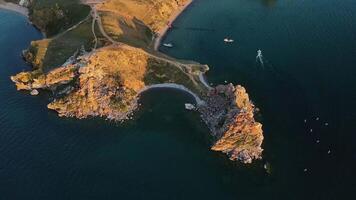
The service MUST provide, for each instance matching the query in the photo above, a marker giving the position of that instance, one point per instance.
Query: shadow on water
(193, 29)
(269, 3)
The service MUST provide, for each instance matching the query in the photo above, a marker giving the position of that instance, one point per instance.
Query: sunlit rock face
(230, 115)
(103, 87)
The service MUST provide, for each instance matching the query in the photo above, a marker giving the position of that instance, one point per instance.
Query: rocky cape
(105, 76)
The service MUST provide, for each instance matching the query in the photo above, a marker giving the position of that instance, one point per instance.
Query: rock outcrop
(107, 85)
(38, 80)
(25, 3)
(229, 114)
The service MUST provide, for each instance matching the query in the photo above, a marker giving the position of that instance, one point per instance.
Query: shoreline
(157, 42)
(14, 7)
(182, 88)
(161, 33)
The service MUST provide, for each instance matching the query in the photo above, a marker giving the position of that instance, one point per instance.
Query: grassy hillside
(55, 16)
(153, 13)
(50, 53)
(126, 30)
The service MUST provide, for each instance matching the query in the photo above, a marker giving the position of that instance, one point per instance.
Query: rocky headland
(229, 114)
(100, 56)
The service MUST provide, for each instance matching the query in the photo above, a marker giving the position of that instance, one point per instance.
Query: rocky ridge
(229, 114)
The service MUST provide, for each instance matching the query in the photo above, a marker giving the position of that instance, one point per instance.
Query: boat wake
(263, 63)
(259, 58)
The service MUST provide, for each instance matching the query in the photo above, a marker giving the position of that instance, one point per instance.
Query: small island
(98, 56)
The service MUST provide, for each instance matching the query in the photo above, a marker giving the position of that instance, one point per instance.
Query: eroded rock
(230, 116)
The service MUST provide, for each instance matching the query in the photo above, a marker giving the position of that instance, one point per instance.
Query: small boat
(189, 106)
(227, 40)
(34, 92)
(267, 167)
(170, 45)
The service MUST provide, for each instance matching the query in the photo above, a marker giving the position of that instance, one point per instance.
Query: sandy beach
(174, 86)
(13, 7)
(163, 32)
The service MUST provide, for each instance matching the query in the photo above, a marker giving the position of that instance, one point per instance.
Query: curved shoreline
(157, 42)
(173, 86)
(203, 80)
(14, 7)
(162, 33)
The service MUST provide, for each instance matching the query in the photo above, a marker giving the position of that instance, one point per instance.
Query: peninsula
(100, 55)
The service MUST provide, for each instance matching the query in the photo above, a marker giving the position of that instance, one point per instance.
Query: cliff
(229, 113)
(96, 63)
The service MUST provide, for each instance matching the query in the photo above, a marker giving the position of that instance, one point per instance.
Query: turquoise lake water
(309, 55)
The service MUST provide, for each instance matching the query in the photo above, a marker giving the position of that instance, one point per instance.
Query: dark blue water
(309, 54)
(309, 50)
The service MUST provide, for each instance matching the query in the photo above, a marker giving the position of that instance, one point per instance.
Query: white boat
(189, 106)
(227, 40)
(170, 45)
(34, 92)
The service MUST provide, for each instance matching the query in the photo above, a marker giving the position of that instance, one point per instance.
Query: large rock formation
(107, 85)
(229, 113)
(38, 80)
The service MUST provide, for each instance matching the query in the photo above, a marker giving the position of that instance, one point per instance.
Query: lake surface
(309, 56)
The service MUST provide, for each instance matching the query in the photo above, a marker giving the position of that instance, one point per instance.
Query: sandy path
(97, 17)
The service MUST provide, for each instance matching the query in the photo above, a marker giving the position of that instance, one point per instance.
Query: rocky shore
(229, 114)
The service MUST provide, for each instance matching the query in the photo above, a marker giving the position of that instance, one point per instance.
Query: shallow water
(309, 55)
